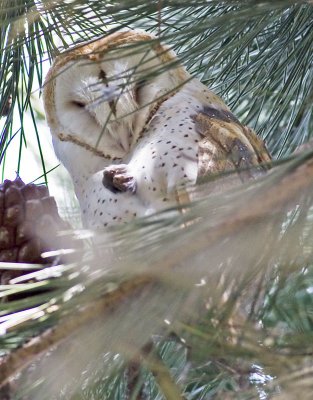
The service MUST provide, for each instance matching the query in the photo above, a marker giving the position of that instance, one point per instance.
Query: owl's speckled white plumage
(126, 158)
(164, 158)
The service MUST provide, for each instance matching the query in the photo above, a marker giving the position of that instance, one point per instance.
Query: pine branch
(283, 188)
(20, 358)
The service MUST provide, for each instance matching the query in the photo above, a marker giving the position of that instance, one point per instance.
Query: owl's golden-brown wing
(228, 145)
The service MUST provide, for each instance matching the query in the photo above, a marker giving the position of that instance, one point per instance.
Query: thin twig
(161, 373)
(160, 4)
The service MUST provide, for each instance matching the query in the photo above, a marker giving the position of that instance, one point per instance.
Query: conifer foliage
(210, 300)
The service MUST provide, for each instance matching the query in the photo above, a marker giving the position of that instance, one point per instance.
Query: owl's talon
(124, 183)
(116, 179)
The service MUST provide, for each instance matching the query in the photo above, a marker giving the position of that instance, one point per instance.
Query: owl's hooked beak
(125, 140)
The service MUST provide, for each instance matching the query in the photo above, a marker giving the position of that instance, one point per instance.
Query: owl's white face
(82, 111)
(106, 104)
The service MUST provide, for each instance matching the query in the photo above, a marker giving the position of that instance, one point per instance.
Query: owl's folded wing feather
(228, 145)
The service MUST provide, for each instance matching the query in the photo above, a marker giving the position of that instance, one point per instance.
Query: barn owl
(131, 126)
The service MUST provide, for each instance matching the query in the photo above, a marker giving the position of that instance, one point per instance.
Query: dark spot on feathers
(222, 115)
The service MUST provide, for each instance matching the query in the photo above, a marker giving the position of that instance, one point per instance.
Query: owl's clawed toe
(117, 179)
(124, 183)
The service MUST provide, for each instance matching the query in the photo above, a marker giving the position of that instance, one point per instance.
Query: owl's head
(100, 95)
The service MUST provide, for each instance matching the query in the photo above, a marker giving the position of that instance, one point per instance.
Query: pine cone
(29, 226)
(29, 223)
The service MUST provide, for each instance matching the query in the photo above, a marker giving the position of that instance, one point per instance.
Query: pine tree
(210, 301)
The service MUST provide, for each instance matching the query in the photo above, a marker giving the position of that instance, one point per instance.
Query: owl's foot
(117, 179)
